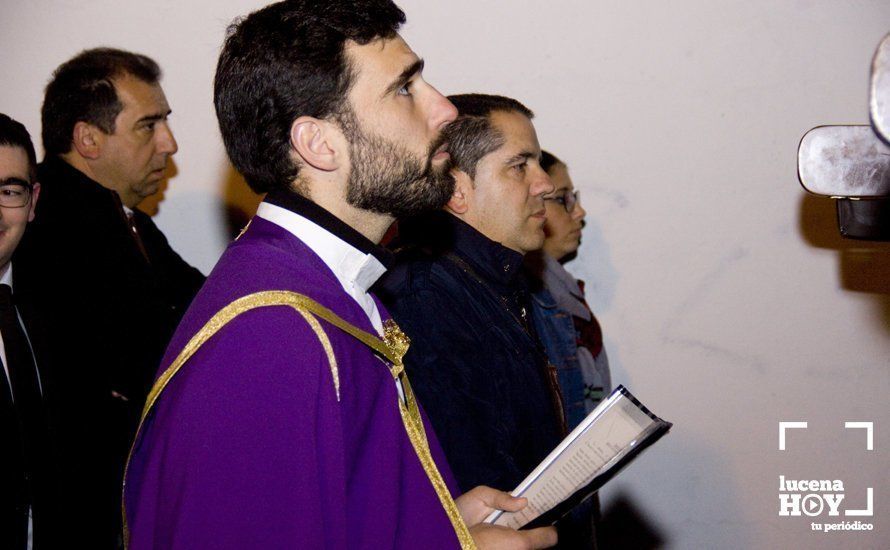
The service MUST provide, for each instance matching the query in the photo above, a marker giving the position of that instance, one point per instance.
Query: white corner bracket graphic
(869, 428)
(870, 506)
(788, 425)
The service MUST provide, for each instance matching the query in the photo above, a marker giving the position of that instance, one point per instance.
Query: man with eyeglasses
(103, 276)
(25, 458)
(569, 331)
(567, 327)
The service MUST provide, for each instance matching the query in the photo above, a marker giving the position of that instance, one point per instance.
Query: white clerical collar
(341, 257)
(355, 270)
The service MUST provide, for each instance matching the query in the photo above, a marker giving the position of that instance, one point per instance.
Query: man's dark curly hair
(285, 61)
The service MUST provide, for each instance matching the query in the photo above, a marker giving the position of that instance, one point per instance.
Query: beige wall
(728, 302)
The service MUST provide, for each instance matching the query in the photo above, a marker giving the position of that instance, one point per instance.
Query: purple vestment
(248, 446)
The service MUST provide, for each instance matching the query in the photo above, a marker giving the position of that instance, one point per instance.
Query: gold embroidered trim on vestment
(416, 433)
(244, 229)
(326, 344)
(393, 348)
(397, 343)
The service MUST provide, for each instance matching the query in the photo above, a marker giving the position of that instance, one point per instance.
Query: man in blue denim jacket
(570, 333)
(568, 329)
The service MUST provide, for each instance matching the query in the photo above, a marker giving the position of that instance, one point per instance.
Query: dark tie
(14, 490)
(25, 393)
(134, 232)
(131, 227)
(22, 371)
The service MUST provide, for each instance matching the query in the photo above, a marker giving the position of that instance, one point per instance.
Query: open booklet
(606, 441)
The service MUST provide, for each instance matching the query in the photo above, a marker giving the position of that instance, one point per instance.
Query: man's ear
(459, 202)
(314, 141)
(87, 140)
(35, 194)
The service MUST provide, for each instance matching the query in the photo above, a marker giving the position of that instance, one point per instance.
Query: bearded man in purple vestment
(280, 418)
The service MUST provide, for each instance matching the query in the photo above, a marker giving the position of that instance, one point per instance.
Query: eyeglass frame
(568, 204)
(27, 186)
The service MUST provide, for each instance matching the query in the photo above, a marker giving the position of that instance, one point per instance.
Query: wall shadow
(624, 525)
(863, 266)
(239, 202)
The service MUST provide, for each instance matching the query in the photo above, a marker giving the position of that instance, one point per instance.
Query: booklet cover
(608, 439)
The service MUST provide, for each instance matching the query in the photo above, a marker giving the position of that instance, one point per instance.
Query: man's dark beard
(386, 178)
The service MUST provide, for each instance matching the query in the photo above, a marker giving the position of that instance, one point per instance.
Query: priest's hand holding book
(478, 503)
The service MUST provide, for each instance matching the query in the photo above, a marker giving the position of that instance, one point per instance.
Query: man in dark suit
(25, 460)
(101, 273)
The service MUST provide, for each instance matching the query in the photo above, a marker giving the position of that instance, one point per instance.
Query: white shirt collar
(341, 257)
(356, 271)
